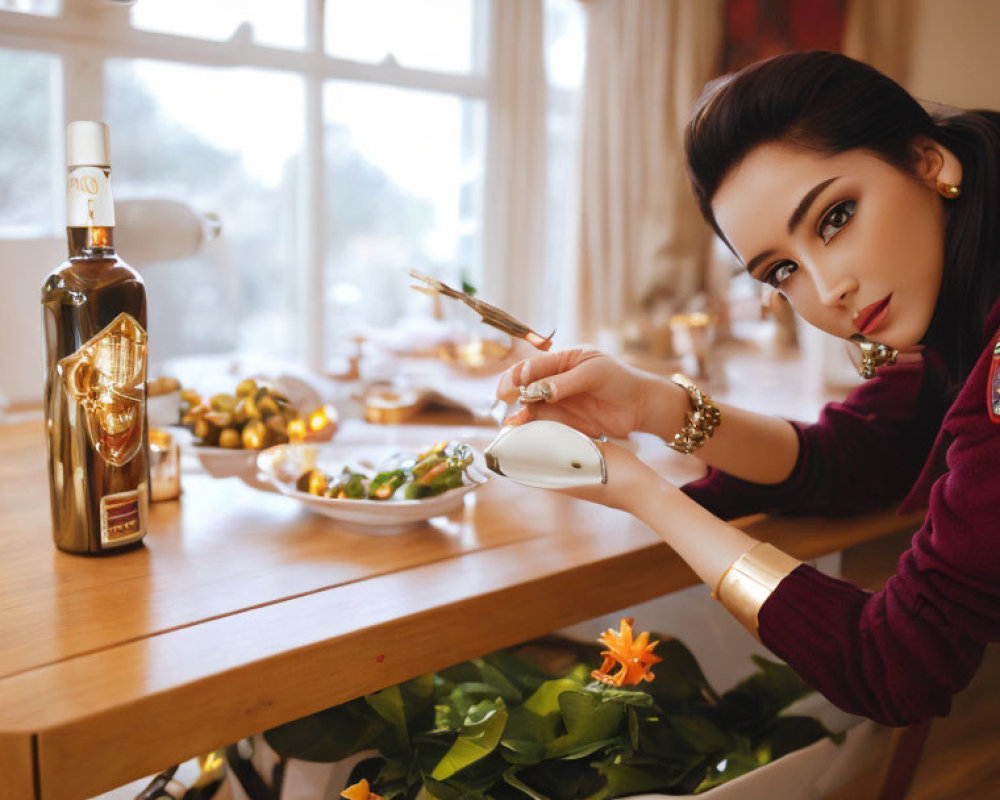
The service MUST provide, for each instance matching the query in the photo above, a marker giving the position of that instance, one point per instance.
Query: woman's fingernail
(536, 392)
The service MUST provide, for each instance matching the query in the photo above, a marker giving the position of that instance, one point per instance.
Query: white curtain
(640, 229)
(514, 237)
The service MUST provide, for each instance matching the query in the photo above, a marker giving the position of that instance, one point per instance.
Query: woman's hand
(629, 480)
(592, 392)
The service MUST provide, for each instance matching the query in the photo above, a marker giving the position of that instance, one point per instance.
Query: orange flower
(359, 791)
(635, 657)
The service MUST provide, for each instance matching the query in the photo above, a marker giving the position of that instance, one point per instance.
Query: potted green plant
(540, 721)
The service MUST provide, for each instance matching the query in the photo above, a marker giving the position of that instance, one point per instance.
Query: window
(403, 178)
(263, 22)
(198, 134)
(30, 181)
(340, 144)
(434, 35)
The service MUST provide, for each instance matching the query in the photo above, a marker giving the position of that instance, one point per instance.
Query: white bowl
(280, 466)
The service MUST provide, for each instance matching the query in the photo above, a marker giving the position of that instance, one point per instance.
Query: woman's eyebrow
(807, 200)
(753, 262)
(793, 221)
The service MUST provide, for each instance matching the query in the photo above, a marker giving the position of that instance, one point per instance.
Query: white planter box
(811, 773)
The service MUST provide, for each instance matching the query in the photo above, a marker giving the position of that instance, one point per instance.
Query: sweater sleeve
(861, 454)
(899, 655)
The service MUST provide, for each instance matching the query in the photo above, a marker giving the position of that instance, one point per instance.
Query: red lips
(872, 316)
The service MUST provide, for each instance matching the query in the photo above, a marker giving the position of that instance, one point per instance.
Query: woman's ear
(935, 164)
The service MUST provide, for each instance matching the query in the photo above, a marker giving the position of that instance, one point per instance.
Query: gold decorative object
(949, 191)
(868, 356)
(164, 465)
(385, 405)
(750, 580)
(476, 357)
(692, 335)
(106, 377)
(700, 423)
(491, 315)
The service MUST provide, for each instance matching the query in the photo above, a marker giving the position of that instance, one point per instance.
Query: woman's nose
(835, 292)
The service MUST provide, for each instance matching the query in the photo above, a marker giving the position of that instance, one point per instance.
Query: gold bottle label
(123, 516)
(106, 379)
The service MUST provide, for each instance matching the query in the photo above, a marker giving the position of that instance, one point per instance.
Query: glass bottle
(94, 319)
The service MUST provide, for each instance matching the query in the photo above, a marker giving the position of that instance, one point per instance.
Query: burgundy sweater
(897, 655)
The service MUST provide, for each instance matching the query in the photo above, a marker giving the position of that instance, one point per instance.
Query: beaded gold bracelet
(700, 423)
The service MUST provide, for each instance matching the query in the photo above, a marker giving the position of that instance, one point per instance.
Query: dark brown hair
(829, 103)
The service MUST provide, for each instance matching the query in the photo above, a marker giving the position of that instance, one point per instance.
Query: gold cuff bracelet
(700, 424)
(750, 580)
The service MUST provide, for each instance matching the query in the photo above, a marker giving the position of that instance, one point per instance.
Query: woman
(831, 184)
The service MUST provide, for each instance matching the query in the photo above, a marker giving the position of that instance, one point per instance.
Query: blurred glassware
(478, 355)
(693, 335)
(164, 465)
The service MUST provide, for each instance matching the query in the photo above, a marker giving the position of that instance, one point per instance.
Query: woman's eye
(780, 273)
(835, 220)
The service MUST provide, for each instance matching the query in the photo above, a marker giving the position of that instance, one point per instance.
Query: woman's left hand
(628, 480)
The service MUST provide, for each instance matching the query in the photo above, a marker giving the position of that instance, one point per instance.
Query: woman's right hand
(592, 392)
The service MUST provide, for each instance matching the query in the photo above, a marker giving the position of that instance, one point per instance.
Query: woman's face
(854, 243)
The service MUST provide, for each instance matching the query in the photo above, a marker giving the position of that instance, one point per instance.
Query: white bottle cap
(87, 144)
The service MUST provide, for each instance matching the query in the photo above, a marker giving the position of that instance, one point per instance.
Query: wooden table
(244, 610)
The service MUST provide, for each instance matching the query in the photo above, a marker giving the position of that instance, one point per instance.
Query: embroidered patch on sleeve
(993, 385)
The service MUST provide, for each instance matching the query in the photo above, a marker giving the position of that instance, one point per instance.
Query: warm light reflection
(159, 438)
(320, 418)
(99, 237)
(296, 430)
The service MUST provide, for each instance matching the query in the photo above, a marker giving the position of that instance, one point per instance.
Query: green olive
(222, 402)
(267, 405)
(230, 437)
(207, 429)
(255, 435)
(276, 423)
(240, 414)
(191, 397)
(246, 388)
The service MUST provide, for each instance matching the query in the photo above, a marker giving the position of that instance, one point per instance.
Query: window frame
(84, 35)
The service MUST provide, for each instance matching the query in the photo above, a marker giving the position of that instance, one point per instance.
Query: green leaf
(589, 718)
(495, 677)
(678, 680)
(520, 751)
(787, 734)
(633, 729)
(422, 686)
(481, 736)
(388, 704)
(628, 697)
(560, 780)
(526, 676)
(626, 779)
(729, 766)
(330, 735)
(538, 720)
(510, 777)
(778, 684)
(699, 735)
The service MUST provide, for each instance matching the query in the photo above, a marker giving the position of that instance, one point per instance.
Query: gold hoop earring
(949, 191)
